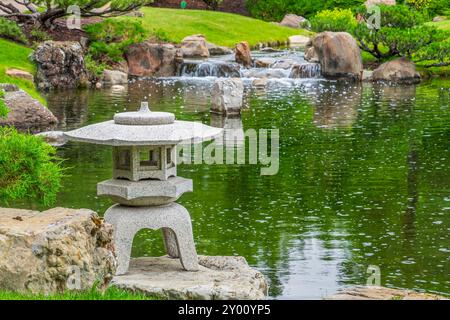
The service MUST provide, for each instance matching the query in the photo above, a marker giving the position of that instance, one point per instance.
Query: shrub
(39, 35)
(28, 168)
(275, 10)
(10, 30)
(94, 68)
(333, 20)
(3, 108)
(430, 7)
(111, 38)
(401, 32)
(437, 54)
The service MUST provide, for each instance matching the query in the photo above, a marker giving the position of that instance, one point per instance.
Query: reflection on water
(364, 180)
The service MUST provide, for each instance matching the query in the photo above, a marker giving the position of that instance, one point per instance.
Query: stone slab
(218, 278)
(382, 293)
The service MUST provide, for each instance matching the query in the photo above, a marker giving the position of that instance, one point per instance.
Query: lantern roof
(144, 127)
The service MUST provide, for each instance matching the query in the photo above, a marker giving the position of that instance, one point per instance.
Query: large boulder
(242, 54)
(194, 47)
(152, 59)
(382, 293)
(292, 21)
(60, 65)
(26, 112)
(227, 96)
(54, 251)
(399, 70)
(339, 55)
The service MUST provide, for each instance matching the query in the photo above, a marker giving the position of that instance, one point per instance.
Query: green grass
(220, 28)
(13, 55)
(444, 25)
(111, 293)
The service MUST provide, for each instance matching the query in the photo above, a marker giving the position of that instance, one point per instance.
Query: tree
(213, 4)
(401, 32)
(45, 12)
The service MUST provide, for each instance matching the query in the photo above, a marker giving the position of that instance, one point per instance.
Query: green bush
(111, 38)
(94, 68)
(333, 20)
(10, 30)
(3, 108)
(437, 54)
(28, 168)
(431, 8)
(275, 10)
(401, 32)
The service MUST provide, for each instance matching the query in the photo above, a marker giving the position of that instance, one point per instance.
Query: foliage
(10, 30)
(3, 108)
(55, 9)
(275, 10)
(14, 55)
(39, 35)
(213, 4)
(221, 28)
(430, 7)
(112, 293)
(94, 68)
(418, 4)
(401, 32)
(111, 38)
(333, 20)
(28, 168)
(437, 54)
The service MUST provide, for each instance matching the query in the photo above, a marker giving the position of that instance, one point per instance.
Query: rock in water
(26, 112)
(382, 293)
(54, 251)
(113, 77)
(243, 54)
(227, 96)
(399, 70)
(194, 47)
(298, 41)
(292, 21)
(60, 65)
(218, 278)
(148, 59)
(215, 50)
(339, 55)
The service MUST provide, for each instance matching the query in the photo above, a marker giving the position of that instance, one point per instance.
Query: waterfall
(210, 69)
(305, 70)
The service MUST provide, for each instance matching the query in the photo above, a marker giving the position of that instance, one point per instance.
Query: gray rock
(194, 47)
(60, 65)
(152, 59)
(9, 87)
(439, 18)
(284, 64)
(382, 293)
(54, 138)
(218, 278)
(26, 112)
(16, 73)
(311, 55)
(215, 50)
(298, 41)
(292, 21)
(114, 77)
(339, 55)
(399, 70)
(367, 75)
(227, 96)
(264, 62)
(54, 251)
(370, 3)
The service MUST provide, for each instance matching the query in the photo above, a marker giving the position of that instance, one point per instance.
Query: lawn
(445, 25)
(220, 28)
(13, 55)
(111, 293)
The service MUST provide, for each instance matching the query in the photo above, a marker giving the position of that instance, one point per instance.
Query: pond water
(364, 180)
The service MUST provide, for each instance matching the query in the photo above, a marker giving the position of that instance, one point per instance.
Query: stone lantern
(145, 184)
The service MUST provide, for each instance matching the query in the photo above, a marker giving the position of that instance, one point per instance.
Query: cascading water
(283, 64)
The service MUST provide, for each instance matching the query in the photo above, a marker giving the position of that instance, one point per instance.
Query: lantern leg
(170, 242)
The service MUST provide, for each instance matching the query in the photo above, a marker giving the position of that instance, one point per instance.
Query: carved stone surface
(146, 192)
(218, 278)
(128, 221)
(227, 96)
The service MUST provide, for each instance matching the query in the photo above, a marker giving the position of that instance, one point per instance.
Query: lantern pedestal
(174, 221)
